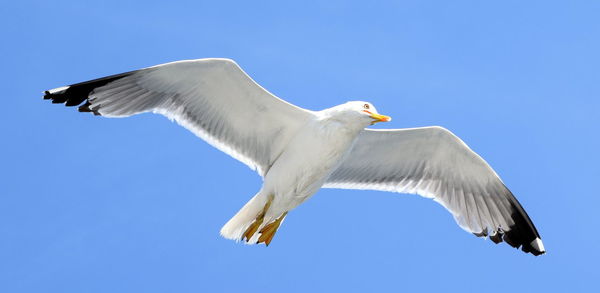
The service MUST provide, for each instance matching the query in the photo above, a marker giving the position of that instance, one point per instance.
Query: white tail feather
(236, 226)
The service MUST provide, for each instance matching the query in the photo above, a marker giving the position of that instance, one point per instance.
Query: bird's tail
(255, 222)
(236, 227)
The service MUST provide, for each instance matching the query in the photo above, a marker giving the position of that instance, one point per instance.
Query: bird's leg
(257, 222)
(269, 230)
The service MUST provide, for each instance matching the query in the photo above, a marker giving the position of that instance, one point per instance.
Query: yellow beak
(380, 118)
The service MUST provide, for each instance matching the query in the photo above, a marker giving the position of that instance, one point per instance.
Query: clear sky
(89, 204)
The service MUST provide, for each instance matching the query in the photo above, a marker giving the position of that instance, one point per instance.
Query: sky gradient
(89, 204)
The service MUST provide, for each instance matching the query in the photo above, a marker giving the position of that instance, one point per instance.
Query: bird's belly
(303, 168)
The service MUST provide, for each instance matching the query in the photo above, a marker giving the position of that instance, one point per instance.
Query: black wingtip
(518, 237)
(76, 94)
(521, 234)
(47, 95)
(534, 247)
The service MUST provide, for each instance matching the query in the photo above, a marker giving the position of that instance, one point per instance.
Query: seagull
(298, 151)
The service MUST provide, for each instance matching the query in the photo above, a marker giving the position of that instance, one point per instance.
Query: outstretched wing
(433, 162)
(213, 98)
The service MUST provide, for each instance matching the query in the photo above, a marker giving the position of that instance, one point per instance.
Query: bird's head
(354, 115)
(364, 111)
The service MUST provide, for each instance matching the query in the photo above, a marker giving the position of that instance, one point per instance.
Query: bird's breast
(310, 157)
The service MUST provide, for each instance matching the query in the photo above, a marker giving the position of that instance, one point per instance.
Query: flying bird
(298, 151)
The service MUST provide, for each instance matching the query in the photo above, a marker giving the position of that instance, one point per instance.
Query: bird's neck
(338, 124)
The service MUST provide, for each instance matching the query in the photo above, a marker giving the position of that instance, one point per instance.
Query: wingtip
(538, 246)
(535, 247)
(56, 90)
(76, 94)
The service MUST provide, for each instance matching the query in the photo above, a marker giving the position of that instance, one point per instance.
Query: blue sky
(89, 204)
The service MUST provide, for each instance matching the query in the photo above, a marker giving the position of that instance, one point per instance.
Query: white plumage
(298, 151)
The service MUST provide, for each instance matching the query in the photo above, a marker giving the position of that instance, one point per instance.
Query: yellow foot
(257, 222)
(269, 230)
(252, 229)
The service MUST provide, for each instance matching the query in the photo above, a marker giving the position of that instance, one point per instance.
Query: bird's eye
(366, 106)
